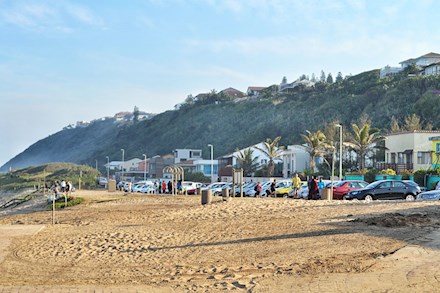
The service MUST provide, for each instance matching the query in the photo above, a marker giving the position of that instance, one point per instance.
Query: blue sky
(62, 60)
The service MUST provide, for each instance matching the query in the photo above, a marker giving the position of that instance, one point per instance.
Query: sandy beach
(174, 244)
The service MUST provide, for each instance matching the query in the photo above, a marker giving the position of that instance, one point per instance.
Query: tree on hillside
(394, 127)
(247, 162)
(339, 77)
(313, 78)
(284, 80)
(412, 122)
(316, 146)
(272, 151)
(363, 141)
(329, 78)
(136, 114)
(322, 78)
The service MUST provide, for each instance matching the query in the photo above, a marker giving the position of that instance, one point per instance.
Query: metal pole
(108, 170)
(212, 162)
(145, 167)
(96, 165)
(333, 173)
(340, 150)
(122, 176)
(241, 182)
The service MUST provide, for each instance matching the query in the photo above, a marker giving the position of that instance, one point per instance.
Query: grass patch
(71, 201)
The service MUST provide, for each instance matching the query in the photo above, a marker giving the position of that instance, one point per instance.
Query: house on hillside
(287, 87)
(255, 90)
(431, 69)
(425, 63)
(411, 150)
(421, 61)
(233, 93)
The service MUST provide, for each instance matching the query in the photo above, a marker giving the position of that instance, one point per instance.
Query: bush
(370, 175)
(390, 172)
(60, 203)
(405, 174)
(419, 177)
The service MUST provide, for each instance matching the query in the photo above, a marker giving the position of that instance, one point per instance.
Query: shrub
(390, 172)
(419, 177)
(405, 174)
(60, 203)
(370, 175)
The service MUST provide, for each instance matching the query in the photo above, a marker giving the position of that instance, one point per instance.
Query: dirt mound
(396, 220)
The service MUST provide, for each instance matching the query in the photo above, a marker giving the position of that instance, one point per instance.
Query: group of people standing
(164, 187)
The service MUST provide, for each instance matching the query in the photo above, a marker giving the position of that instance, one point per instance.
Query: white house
(295, 159)
(427, 60)
(182, 155)
(130, 165)
(432, 69)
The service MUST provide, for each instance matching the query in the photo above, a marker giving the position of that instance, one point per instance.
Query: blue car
(429, 195)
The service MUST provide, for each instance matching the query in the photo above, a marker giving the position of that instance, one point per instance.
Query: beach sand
(175, 244)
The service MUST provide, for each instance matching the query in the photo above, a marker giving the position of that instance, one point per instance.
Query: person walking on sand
(258, 189)
(296, 183)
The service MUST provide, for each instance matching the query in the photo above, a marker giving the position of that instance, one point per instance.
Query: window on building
(423, 157)
(393, 158)
(400, 158)
(195, 154)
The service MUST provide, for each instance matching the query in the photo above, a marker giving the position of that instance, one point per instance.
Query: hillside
(229, 124)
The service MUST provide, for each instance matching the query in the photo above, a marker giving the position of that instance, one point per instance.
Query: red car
(342, 188)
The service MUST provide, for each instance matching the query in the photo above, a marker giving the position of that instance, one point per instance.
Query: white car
(148, 188)
(137, 187)
(216, 188)
(190, 187)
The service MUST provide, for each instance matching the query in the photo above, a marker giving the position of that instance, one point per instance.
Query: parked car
(190, 187)
(249, 188)
(148, 188)
(429, 195)
(342, 188)
(216, 188)
(386, 189)
(137, 187)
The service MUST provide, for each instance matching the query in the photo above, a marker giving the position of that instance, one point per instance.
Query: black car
(387, 189)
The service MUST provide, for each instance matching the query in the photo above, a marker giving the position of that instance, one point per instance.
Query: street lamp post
(122, 176)
(145, 167)
(212, 162)
(340, 150)
(108, 167)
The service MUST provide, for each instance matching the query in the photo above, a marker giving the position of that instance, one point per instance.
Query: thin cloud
(59, 15)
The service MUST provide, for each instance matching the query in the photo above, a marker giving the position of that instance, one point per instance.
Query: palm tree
(363, 141)
(316, 146)
(272, 151)
(247, 162)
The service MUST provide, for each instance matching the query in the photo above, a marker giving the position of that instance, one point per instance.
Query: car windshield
(373, 185)
(340, 183)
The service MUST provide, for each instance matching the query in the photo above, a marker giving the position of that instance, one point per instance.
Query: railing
(394, 166)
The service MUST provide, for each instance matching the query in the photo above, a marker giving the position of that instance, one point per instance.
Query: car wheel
(410, 197)
(368, 198)
(344, 197)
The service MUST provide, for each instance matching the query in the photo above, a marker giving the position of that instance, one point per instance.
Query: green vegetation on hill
(229, 124)
(31, 177)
